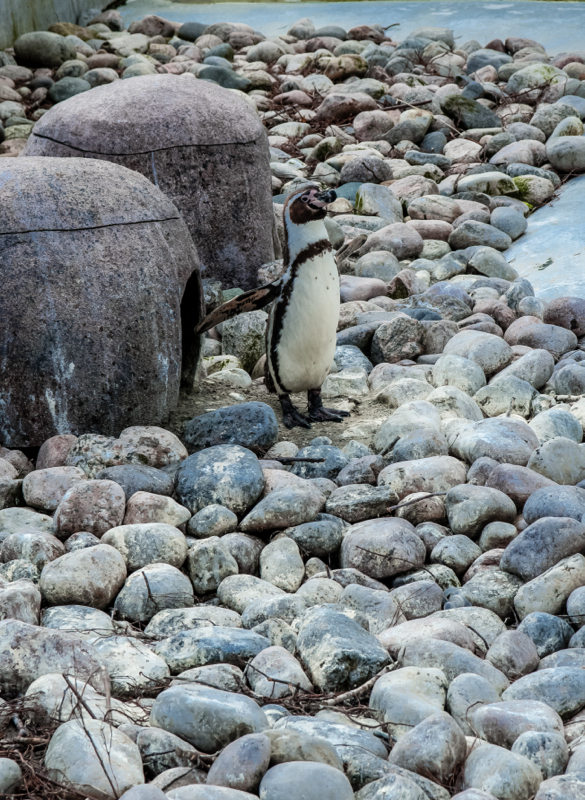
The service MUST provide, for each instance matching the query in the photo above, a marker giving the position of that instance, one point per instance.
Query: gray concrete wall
(22, 16)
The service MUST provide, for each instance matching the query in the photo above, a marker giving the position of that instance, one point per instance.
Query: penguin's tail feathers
(351, 247)
(249, 301)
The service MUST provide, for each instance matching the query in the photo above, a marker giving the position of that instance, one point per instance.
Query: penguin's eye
(305, 198)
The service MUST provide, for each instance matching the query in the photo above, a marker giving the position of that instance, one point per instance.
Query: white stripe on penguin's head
(304, 214)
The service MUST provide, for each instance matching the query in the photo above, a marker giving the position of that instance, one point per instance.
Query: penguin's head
(309, 203)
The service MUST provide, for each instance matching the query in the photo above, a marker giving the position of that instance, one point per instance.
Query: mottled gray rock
(381, 608)
(138, 478)
(557, 501)
(291, 745)
(209, 562)
(148, 543)
(226, 475)
(452, 660)
(173, 620)
(469, 508)
(457, 552)
(238, 591)
(20, 600)
(87, 623)
(336, 652)
(37, 548)
(292, 781)
(561, 688)
(457, 371)
(152, 589)
(281, 563)
(284, 507)
(547, 750)
(535, 367)
(488, 351)
(242, 763)
(318, 538)
(10, 776)
(556, 422)
(208, 719)
(507, 440)
(549, 633)
(514, 654)
(78, 752)
(335, 460)
(209, 645)
(508, 776)
(466, 693)
(132, 666)
(213, 520)
(503, 722)
(542, 545)
(549, 591)
(562, 787)
(435, 747)
(494, 590)
(275, 672)
(337, 734)
(382, 548)
(359, 502)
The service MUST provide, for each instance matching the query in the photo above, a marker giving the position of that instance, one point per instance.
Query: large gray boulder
(200, 144)
(98, 268)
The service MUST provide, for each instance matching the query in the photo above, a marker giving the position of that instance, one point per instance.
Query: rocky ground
(388, 609)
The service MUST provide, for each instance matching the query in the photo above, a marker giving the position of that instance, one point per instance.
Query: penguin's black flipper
(249, 301)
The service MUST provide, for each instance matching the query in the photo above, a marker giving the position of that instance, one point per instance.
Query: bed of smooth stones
(166, 603)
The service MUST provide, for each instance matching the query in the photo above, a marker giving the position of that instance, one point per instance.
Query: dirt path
(210, 398)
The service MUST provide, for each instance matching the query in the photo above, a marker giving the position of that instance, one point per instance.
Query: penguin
(302, 327)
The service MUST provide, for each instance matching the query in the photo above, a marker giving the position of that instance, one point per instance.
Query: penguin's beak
(327, 197)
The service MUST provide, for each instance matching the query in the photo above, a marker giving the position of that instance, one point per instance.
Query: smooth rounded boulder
(139, 262)
(205, 131)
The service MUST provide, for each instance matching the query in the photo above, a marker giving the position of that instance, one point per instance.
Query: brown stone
(548, 337)
(37, 547)
(362, 32)
(338, 107)
(54, 451)
(106, 350)
(518, 327)
(103, 60)
(93, 506)
(294, 98)
(500, 312)
(148, 507)
(208, 152)
(161, 447)
(432, 228)
(153, 25)
(354, 288)
(18, 460)
(566, 312)
(45, 488)
(517, 482)
(322, 43)
(486, 561)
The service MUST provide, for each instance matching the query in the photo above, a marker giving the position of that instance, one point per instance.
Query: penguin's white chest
(305, 343)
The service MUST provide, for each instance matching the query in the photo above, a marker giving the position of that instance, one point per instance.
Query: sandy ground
(210, 398)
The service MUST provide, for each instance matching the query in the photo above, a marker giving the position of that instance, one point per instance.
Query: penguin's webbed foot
(291, 416)
(318, 412)
(323, 414)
